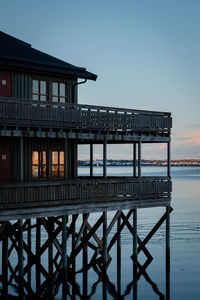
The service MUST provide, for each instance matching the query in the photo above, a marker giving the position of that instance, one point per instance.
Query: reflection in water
(68, 258)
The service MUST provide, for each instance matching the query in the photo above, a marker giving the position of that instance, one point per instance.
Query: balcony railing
(77, 192)
(30, 113)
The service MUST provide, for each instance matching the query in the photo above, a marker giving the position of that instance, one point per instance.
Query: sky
(146, 54)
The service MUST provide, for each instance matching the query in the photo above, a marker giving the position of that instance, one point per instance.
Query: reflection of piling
(104, 255)
(168, 252)
(135, 242)
(118, 257)
(20, 259)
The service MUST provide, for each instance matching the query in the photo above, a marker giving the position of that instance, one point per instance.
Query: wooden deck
(92, 194)
(49, 117)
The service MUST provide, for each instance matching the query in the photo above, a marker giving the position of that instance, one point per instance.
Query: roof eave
(28, 65)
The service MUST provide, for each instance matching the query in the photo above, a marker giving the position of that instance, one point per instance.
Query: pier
(46, 208)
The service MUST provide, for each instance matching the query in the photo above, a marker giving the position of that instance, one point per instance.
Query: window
(39, 90)
(39, 164)
(59, 92)
(57, 164)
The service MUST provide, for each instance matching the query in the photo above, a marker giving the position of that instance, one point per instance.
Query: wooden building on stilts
(41, 126)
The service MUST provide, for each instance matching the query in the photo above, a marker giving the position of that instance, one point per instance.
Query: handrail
(85, 106)
(81, 191)
(86, 180)
(21, 112)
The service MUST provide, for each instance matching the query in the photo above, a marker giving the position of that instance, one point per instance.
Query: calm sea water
(185, 242)
(185, 234)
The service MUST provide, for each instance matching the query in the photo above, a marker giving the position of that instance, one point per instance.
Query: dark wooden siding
(30, 144)
(22, 84)
(13, 145)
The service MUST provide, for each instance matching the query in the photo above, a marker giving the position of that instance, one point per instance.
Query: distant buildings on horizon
(118, 163)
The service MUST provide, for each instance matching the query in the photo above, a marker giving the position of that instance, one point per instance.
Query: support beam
(21, 159)
(139, 158)
(85, 260)
(20, 258)
(135, 253)
(64, 257)
(91, 160)
(134, 160)
(168, 160)
(50, 248)
(37, 251)
(105, 159)
(168, 252)
(73, 264)
(29, 246)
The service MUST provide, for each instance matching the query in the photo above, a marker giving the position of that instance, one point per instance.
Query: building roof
(19, 54)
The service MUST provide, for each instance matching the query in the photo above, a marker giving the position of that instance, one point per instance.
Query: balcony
(84, 195)
(52, 117)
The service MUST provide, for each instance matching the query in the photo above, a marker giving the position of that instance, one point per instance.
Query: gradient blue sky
(146, 54)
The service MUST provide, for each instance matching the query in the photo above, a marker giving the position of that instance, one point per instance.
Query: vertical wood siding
(22, 84)
(13, 145)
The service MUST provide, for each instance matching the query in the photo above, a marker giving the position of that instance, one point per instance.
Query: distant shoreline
(146, 163)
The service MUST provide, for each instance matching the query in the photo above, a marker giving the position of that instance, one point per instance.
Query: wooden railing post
(139, 158)
(168, 160)
(105, 159)
(91, 159)
(134, 160)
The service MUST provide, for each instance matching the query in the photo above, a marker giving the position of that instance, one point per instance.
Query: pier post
(91, 160)
(20, 259)
(104, 255)
(135, 254)
(38, 243)
(134, 160)
(74, 218)
(64, 257)
(139, 158)
(104, 159)
(29, 247)
(167, 252)
(50, 255)
(85, 260)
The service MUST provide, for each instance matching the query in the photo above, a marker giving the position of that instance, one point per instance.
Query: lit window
(39, 164)
(57, 164)
(39, 90)
(59, 92)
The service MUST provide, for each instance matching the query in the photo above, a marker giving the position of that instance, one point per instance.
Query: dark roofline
(14, 38)
(26, 57)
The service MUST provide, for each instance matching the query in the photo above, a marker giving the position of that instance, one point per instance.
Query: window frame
(40, 94)
(40, 165)
(58, 165)
(60, 96)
